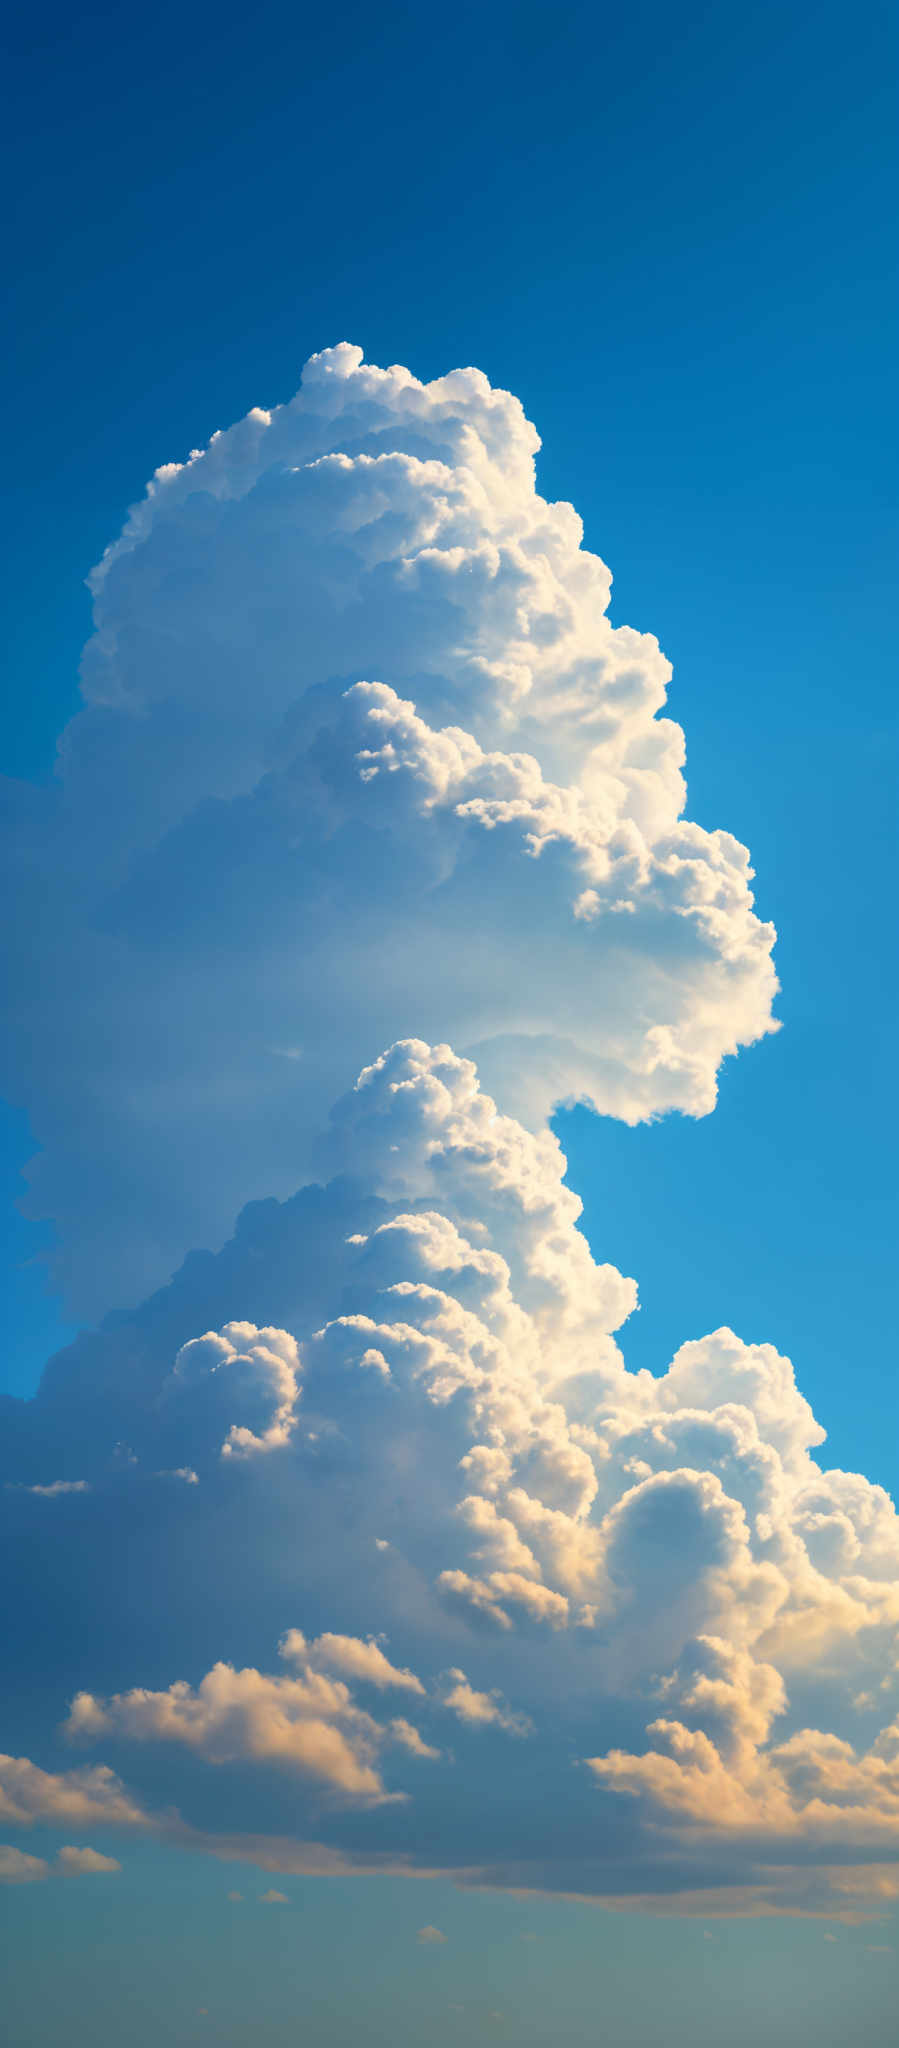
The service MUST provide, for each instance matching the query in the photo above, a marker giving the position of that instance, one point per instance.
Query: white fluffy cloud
(79, 1798)
(361, 756)
(308, 1724)
(352, 1658)
(239, 1370)
(482, 1709)
(648, 1641)
(363, 763)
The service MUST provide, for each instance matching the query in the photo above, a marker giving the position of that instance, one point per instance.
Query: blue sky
(668, 235)
(331, 1960)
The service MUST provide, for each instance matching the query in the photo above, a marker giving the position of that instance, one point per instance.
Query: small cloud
(17, 1868)
(185, 1472)
(830, 1937)
(85, 1863)
(235, 1897)
(404, 1733)
(349, 1656)
(430, 1936)
(879, 1948)
(483, 1709)
(274, 1899)
(49, 1492)
(381, 1543)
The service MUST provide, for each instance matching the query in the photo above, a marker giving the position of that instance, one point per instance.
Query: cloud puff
(430, 1937)
(93, 1796)
(239, 1370)
(482, 1709)
(350, 1657)
(307, 1724)
(16, 1867)
(403, 1732)
(85, 1863)
(688, 1623)
(360, 755)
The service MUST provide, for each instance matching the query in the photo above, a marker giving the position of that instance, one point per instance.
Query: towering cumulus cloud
(409, 1536)
(357, 1547)
(361, 756)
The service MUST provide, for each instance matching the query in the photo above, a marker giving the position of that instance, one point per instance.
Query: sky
(667, 236)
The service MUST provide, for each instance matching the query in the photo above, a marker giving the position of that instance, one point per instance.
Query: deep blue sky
(667, 230)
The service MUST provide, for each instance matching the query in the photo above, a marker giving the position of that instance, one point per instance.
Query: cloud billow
(361, 757)
(490, 1603)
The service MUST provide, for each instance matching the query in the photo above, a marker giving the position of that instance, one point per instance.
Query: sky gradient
(669, 239)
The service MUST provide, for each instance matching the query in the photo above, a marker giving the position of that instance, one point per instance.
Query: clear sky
(668, 233)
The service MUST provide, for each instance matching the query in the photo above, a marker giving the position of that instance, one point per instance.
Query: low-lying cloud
(515, 1613)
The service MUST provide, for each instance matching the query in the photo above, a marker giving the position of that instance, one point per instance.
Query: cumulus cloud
(85, 1863)
(363, 762)
(307, 1724)
(93, 1796)
(239, 1368)
(482, 1709)
(17, 1867)
(353, 678)
(430, 1937)
(350, 1657)
(652, 1582)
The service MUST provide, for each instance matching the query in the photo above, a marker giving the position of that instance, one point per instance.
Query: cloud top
(361, 756)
